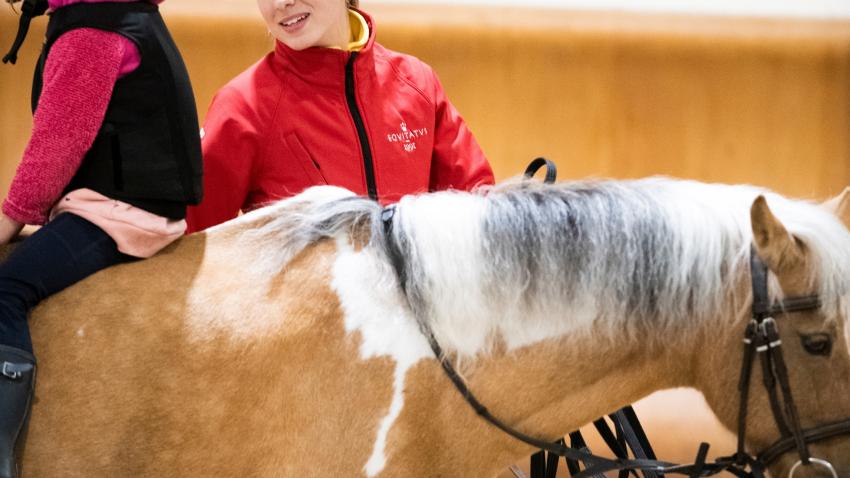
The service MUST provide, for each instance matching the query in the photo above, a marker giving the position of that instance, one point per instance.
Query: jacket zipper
(350, 96)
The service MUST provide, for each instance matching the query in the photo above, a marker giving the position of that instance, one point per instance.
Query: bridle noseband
(761, 338)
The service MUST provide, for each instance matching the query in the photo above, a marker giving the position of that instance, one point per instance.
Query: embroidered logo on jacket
(407, 136)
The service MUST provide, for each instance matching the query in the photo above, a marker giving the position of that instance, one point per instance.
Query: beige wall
(720, 100)
(733, 100)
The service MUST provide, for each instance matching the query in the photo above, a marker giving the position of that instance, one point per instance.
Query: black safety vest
(148, 150)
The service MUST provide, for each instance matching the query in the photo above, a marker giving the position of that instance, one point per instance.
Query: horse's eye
(817, 344)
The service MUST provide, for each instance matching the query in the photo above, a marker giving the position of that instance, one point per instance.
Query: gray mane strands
(531, 260)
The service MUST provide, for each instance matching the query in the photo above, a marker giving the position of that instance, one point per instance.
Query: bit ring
(814, 461)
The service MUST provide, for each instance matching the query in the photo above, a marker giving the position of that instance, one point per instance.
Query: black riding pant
(66, 250)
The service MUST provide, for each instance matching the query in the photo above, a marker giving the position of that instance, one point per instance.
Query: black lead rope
(29, 10)
(640, 434)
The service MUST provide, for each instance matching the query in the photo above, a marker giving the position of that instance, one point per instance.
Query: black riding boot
(17, 382)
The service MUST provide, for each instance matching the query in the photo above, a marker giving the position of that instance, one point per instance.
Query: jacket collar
(322, 66)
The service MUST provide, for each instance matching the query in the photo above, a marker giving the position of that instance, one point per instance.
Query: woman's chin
(297, 44)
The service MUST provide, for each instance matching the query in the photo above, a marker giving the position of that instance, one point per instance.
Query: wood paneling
(603, 94)
(717, 99)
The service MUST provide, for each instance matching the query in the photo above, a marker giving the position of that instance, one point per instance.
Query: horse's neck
(545, 390)
(579, 378)
(546, 383)
(717, 366)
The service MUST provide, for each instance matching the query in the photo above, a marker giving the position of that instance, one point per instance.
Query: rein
(761, 338)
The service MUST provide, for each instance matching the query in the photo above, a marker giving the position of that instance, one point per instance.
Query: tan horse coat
(127, 388)
(192, 364)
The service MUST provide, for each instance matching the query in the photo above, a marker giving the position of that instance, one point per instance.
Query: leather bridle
(761, 339)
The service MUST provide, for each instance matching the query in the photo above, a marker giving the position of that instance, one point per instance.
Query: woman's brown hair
(353, 3)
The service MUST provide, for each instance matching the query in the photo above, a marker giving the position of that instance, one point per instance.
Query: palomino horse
(280, 344)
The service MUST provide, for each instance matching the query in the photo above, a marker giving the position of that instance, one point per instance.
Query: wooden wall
(718, 100)
(602, 94)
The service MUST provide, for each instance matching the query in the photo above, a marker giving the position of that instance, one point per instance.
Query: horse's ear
(774, 244)
(840, 206)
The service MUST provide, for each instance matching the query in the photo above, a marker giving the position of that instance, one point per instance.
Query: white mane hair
(523, 262)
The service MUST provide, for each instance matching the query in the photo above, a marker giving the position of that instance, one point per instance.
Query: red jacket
(376, 122)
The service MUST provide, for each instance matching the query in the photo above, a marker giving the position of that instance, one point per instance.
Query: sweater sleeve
(457, 161)
(229, 144)
(79, 76)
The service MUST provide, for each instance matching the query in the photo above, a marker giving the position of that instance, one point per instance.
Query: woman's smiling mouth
(294, 22)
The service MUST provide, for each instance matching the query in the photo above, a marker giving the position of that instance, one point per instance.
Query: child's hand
(9, 228)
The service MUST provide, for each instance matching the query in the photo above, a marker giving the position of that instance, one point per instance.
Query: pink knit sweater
(76, 91)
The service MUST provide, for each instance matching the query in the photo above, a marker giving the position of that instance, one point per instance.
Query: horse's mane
(508, 261)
